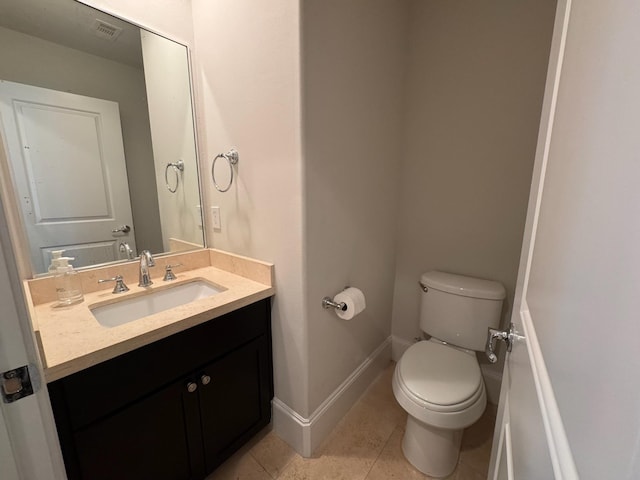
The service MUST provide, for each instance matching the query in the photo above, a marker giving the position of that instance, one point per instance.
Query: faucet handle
(119, 287)
(168, 273)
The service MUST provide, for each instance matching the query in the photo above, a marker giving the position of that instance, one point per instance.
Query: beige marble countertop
(71, 339)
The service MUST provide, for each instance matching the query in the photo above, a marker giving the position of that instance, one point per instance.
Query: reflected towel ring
(177, 168)
(232, 158)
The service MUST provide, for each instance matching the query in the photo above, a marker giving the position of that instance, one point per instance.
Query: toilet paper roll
(353, 299)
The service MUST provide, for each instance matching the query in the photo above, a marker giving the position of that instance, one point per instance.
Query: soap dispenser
(67, 282)
(56, 255)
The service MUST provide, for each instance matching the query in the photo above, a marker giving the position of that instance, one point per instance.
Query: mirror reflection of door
(67, 159)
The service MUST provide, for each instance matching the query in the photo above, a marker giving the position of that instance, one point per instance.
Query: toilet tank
(458, 309)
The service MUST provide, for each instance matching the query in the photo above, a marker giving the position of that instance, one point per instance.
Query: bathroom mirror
(96, 120)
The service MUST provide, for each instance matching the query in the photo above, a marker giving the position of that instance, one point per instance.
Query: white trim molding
(306, 434)
(564, 466)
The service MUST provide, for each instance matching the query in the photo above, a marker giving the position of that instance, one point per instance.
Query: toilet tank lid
(465, 286)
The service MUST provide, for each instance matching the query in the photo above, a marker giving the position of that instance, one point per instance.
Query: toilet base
(431, 450)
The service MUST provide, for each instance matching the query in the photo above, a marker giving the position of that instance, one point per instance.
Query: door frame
(29, 421)
(8, 467)
(559, 449)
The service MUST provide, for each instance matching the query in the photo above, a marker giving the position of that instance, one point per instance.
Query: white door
(8, 467)
(29, 447)
(570, 402)
(67, 160)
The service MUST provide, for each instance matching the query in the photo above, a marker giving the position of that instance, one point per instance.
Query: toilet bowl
(441, 389)
(439, 382)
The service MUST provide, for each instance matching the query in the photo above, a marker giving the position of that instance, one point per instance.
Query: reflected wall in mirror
(97, 124)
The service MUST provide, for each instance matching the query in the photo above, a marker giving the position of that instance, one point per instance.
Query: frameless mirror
(97, 124)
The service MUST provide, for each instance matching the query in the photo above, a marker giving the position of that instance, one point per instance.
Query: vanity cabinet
(174, 409)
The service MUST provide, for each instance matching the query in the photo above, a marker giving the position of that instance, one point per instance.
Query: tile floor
(365, 445)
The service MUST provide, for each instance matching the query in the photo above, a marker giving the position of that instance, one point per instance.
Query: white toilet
(438, 382)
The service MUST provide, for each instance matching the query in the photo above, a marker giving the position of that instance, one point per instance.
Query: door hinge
(16, 384)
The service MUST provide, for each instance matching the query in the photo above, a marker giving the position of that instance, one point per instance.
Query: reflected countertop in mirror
(98, 127)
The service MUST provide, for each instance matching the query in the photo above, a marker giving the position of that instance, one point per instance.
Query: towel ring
(232, 159)
(177, 168)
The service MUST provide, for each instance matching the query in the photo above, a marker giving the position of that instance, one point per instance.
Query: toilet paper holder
(327, 302)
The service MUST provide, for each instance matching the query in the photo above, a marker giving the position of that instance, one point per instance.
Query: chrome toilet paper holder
(327, 302)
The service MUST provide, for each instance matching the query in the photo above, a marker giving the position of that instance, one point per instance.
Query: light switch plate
(215, 218)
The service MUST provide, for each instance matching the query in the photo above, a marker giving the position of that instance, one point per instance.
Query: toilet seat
(440, 385)
(440, 376)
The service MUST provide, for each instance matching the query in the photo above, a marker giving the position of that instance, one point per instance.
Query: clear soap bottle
(56, 255)
(67, 282)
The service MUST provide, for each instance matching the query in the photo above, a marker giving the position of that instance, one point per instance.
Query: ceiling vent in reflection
(106, 30)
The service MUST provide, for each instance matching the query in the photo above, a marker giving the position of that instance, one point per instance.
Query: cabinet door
(235, 404)
(149, 439)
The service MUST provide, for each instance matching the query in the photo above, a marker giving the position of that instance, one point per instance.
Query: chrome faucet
(146, 261)
(127, 250)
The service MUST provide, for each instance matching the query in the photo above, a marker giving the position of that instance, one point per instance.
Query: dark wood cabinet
(175, 409)
(149, 439)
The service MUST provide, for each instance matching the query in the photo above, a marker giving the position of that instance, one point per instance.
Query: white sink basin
(128, 310)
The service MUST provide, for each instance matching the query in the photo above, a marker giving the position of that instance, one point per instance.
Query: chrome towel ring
(177, 168)
(232, 158)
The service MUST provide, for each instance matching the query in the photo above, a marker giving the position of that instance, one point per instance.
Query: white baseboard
(306, 434)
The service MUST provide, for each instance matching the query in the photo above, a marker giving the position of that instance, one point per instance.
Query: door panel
(529, 425)
(504, 452)
(577, 301)
(67, 160)
(584, 286)
(524, 421)
(64, 164)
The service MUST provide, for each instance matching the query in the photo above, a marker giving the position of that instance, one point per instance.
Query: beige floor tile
(465, 472)
(349, 452)
(241, 466)
(362, 433)
(326, 467)
(391, 464)
(273, 454)
(380, 396)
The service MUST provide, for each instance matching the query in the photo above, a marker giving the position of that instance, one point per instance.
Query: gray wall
(418, 128)
(353, 83)
(248, 69)
(476, 76)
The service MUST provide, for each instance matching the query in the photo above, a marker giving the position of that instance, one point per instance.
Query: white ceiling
(71, 24)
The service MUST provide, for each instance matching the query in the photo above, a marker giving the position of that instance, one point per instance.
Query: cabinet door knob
(192, 387)
(205, 379)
